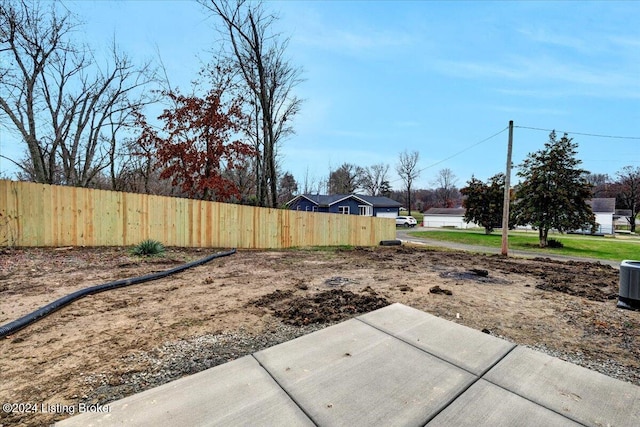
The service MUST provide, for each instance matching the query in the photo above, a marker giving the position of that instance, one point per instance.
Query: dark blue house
(350, 204)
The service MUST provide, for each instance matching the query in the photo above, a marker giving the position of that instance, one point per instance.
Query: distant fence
(49, 215)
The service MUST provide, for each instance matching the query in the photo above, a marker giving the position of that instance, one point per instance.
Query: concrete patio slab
(363, 377)
(467, 348)
(486, 404)
(394, 366)
(580, 394)
(236, 393)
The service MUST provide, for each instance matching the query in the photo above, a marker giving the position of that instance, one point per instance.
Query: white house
(604, 210)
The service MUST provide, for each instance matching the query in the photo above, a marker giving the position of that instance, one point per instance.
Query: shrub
(553, 243)
(148, 247)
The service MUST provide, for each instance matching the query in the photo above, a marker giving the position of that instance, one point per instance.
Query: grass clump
(148, 247)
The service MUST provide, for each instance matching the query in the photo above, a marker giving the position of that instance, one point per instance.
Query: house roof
(329, 200)
(446, 211)
(380, 201)
(602, 205)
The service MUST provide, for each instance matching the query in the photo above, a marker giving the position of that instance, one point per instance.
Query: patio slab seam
(439, 357)
(529, 399)
(293, 399)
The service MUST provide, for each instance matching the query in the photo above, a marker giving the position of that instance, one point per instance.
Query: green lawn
(416, 214)
(606, 248)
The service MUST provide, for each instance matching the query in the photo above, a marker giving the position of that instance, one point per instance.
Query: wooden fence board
(47, 215)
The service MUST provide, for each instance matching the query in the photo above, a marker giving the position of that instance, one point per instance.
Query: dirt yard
(120, 342)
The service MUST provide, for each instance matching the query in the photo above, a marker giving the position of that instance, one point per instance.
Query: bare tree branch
(407, 168)
(59, 99)
(269, 80)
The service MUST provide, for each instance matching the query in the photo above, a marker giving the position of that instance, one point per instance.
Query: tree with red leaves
(197, 150)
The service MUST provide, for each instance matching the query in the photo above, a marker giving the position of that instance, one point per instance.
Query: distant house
(350, 204)
(604, 209)
(446, 217)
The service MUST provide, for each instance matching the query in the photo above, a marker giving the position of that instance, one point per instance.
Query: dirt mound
(324, 307)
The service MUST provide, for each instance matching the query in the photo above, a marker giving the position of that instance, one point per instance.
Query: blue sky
(437, 77)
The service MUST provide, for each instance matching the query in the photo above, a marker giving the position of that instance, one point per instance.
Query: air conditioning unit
(629, 295)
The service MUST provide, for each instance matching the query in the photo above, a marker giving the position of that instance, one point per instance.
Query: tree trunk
(543, 233)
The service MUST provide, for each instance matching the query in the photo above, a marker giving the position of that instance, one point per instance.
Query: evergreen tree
(484, 202)
(287, 188)
(554, 192)
(385, 189)
(343, 180)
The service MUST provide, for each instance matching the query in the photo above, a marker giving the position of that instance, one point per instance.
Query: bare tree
(243, 177)
(602, 184)
(628, 192)
(67, 109)
(28, 38)
(372, 178)
(446, 191)
(269, 79)
(407, 168)
(309, 183)
(138, 171)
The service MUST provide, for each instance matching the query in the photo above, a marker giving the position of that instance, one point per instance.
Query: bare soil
(116, 343)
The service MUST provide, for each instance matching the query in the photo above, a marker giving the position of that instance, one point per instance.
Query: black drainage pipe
(30, 318)
(390, 242)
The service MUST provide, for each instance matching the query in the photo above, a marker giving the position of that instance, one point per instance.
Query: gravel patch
(609, 368)
(174, 360)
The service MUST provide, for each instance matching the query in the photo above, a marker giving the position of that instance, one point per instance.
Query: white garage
(387, 214)
(446, 217)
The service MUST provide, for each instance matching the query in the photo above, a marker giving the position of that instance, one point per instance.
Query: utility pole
(507, 191)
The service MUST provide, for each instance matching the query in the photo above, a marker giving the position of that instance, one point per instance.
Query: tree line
(82, 121)
(374, 180)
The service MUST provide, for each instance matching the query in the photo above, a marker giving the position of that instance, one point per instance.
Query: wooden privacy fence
(50, 215)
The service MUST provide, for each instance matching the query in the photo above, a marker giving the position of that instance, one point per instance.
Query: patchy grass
(414, 213)
(573, 245)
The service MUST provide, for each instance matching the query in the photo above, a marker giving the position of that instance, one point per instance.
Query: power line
(581, 133)
(464, 150)
(458, 153)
